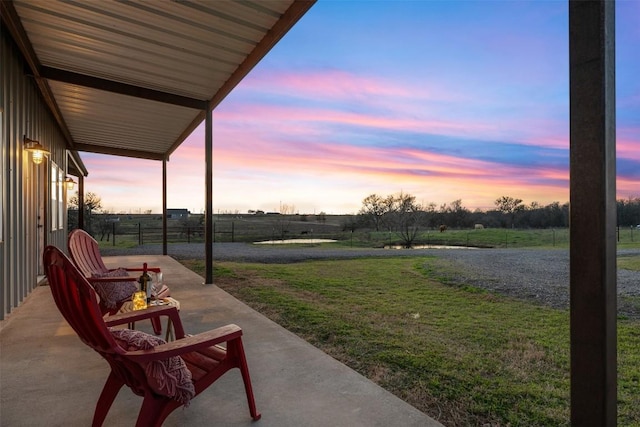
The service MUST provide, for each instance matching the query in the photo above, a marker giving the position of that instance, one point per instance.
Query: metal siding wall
(3, 170)
(18, 109)
(5, 175)
(24, 113)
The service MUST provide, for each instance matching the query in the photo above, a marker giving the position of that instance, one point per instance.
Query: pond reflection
(288, 241)
(429, 247)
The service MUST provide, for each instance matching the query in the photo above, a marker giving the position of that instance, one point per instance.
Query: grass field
(461, 355)
(132, 230)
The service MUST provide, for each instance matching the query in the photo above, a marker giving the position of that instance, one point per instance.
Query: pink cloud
(283, 145)
(628, 143)
(408, 166)
(427, 105)
(270, 120)
(334, 84)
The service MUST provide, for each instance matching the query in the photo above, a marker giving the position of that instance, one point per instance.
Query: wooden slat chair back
(85, 253)
(78, 303)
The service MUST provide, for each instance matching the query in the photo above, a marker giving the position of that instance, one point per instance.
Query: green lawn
(462, 355)
(629, 262)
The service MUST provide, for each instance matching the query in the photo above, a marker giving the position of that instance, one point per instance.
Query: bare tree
(509, 206)
(374, 208)
(453, 214)
(406, 216)
(92, 204)
(430, 214)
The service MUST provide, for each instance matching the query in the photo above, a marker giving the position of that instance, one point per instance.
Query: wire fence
(144, 233)
(230, 231)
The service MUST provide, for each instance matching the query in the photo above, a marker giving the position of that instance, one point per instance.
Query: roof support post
(164, 206)
(81, 206)
(593, 213)
(208, 188)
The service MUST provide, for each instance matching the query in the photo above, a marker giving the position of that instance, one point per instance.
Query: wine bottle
(145, 282)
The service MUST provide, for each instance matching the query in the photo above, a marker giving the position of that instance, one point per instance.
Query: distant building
(178, 213)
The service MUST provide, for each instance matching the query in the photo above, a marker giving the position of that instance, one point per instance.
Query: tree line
(403, 214)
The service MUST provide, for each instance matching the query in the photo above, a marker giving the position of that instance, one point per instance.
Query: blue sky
(444, 100)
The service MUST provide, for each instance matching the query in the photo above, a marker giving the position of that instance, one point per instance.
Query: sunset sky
(443, 100)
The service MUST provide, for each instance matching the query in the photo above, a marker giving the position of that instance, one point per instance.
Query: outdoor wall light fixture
(70, 183)
(36, 149)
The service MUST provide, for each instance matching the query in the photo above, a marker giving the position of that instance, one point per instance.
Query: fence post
(233, 224)
(214, 232)
(113, 231)
(139, 233)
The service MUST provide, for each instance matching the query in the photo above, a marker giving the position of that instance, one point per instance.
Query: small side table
(172, 302)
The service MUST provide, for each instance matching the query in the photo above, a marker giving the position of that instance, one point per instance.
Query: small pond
(289, 241)
(429, 247)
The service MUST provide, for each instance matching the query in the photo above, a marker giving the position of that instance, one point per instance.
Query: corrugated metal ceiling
(134, 77)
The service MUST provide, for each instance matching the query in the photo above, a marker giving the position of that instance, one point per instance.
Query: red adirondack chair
(85, 253)
(205, 360)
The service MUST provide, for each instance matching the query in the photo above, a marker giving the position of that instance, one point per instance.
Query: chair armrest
(187, 344)
(111, 279)
(148, 313)
(153, 269)
(135, 315)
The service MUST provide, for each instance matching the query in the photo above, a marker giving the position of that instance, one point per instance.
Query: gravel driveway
(540, 275)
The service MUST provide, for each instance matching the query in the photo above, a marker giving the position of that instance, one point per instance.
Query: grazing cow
(443, 228)
(479, 227)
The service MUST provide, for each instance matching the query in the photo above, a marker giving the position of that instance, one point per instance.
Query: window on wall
(57, 201)
(60, 198)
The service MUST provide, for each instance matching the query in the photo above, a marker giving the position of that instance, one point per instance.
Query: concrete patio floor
(48, 377)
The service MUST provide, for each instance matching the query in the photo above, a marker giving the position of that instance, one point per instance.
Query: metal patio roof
(135, 78)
